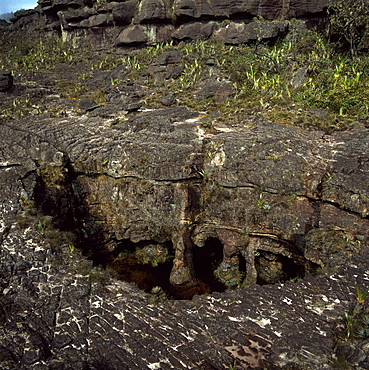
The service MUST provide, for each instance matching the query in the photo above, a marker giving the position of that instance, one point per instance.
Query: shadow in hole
(206, 259)
(275, 268)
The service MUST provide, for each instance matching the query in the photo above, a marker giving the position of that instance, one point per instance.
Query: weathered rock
(194, 31)
(6, 80)
(87, 104)
(239, 33)
(76, 15)
(174, 72)
(123, 13)
(168, 100)
(300, 77)
(259, 188)
(152, 11)
(132, 35)
(221, 91)
(169, 57)
(79, 20)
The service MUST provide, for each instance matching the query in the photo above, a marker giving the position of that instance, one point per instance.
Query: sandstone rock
(300, 77)
(219, 90)
(6, 80)
(76, 15)
(169, 57)
(22, 14)
(87, 104)
(190, 9)
(299, 9)
(168, 100)
(261, 193)
(123, 13)
(174, 72)
(193, 31)
(152, 11)
(82, 22)
(132, 35)
(238, 33)
(97, 20)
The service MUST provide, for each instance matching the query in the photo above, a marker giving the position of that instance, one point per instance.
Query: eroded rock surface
(152, 21)
(277, 199)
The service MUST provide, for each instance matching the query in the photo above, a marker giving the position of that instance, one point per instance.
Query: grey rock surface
(155, 21)
(269, 193)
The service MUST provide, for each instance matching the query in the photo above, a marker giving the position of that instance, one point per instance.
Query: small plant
(364, 331)
(349, 323)
(203, 174)
(361, 296)
(262, 205)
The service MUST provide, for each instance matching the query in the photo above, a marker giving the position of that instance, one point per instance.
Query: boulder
(87, 104)
(132, 35)
(193, 31)
(123, 13)
(153, 11)
(221, 91)
(239, 32)
(169, 57)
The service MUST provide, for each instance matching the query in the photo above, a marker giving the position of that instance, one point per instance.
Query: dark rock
(132, 35)
(174, 72)
(97, 20)
(139, 180)
(6, 80)
(76, 15)
(317, 113)
(299, 9)
(190, 9)
(168, 100)
(123, 12)
(153, 11)
(193, 31)
(239, 33)
(53, 6)
(132, 107)
(23, 14)
(88, 104)
(169, 57)
(351, 354)
(221, 91)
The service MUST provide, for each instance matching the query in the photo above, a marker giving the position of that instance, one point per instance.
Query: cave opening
(147, 264)
(275, 268)
(206, 259)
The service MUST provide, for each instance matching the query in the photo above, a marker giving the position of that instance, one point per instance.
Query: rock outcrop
(154, 21)
(280, 201)
(260, 230)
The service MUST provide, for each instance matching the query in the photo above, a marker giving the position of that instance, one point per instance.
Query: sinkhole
(148, 264)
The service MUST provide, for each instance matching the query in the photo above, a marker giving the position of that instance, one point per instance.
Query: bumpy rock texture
(274, 196)
(247, 203)
(133, 22)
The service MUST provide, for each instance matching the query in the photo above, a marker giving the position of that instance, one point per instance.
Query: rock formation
(267, 193)
(130, 23)
(269, 220)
